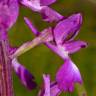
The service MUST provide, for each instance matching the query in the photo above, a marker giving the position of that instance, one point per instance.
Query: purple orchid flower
(63, 45)
(63, 35)
(66, 77)
(50, 89)
(41, 6)
(26, 78)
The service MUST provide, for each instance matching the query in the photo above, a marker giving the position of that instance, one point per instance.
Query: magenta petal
(74, 46)
(46, 89)
(46, 2)
(14, 11)
(50, 89)
(50, 15)
(47, 13)
(47, 85)
(68, 75)
(55, 91)
(34, 5)
(25, 76)
(3, 33)
(68, 28)
(8, 13)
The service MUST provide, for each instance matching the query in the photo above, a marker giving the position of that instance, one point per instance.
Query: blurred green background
(41, 60)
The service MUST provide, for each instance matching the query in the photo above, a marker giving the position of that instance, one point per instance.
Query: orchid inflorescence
(60, 39)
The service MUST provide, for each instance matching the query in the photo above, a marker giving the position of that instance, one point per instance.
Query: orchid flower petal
(34, 5)
(50, 89)
(68, 75)
(24, 75)
(47, 85)
(8, 13)
(50, 15)
(45, 91)
(14, 11)
(68, 28)
(55, 91)
(46, 2)
(47, 13)
(74, 46)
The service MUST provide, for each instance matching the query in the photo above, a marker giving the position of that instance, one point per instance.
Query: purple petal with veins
(36, 5)
(25, 76)
(50, 15)
(68, 28)
(74, 46)
(14, 10)
(68, 75)
(46, 2)
(8, 13)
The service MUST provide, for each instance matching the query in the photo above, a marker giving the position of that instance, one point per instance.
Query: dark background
(41, 60)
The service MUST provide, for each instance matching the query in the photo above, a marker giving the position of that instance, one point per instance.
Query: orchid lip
(68, 75)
